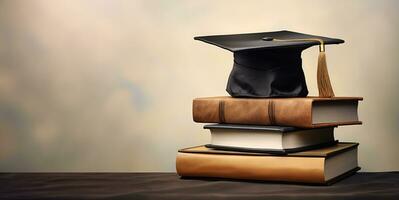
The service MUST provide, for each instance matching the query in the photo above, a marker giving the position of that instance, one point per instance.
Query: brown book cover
(319, 166)
(307, 112)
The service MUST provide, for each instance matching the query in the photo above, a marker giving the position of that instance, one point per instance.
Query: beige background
(107, 85)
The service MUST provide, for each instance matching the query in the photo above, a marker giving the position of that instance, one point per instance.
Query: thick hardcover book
(271, 139)
(319, 166)
(307, 112)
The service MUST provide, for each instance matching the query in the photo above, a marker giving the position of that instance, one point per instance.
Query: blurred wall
(108, 85)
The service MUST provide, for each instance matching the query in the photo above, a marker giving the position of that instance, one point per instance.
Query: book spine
(264, 168)
(287, 112)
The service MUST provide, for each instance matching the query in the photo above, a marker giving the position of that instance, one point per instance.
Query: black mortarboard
(269, 64)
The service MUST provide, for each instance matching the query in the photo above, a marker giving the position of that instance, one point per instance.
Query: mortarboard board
(269, 64)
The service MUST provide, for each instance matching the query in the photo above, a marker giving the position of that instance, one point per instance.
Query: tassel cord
(323, 79)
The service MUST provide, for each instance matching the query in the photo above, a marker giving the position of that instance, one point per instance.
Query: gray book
(270, 139)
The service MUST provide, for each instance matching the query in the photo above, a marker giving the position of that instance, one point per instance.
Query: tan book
(320, 166)
(307, 112)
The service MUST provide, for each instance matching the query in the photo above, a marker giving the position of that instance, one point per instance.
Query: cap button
(267, 38)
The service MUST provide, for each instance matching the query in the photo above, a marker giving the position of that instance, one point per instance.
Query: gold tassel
(323, 79)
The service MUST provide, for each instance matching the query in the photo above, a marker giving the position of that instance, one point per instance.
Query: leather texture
(321, 152)
(262, 111)
(271, 168)
(304, 167)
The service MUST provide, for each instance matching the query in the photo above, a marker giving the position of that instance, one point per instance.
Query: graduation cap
(269, 64)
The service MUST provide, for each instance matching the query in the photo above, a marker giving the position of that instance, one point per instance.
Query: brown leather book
(320, 166)
(307, 112)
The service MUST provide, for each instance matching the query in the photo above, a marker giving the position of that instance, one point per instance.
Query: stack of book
(269, 129)
(300, 147)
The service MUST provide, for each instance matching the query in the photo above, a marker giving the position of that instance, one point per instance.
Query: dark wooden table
(382, 185)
